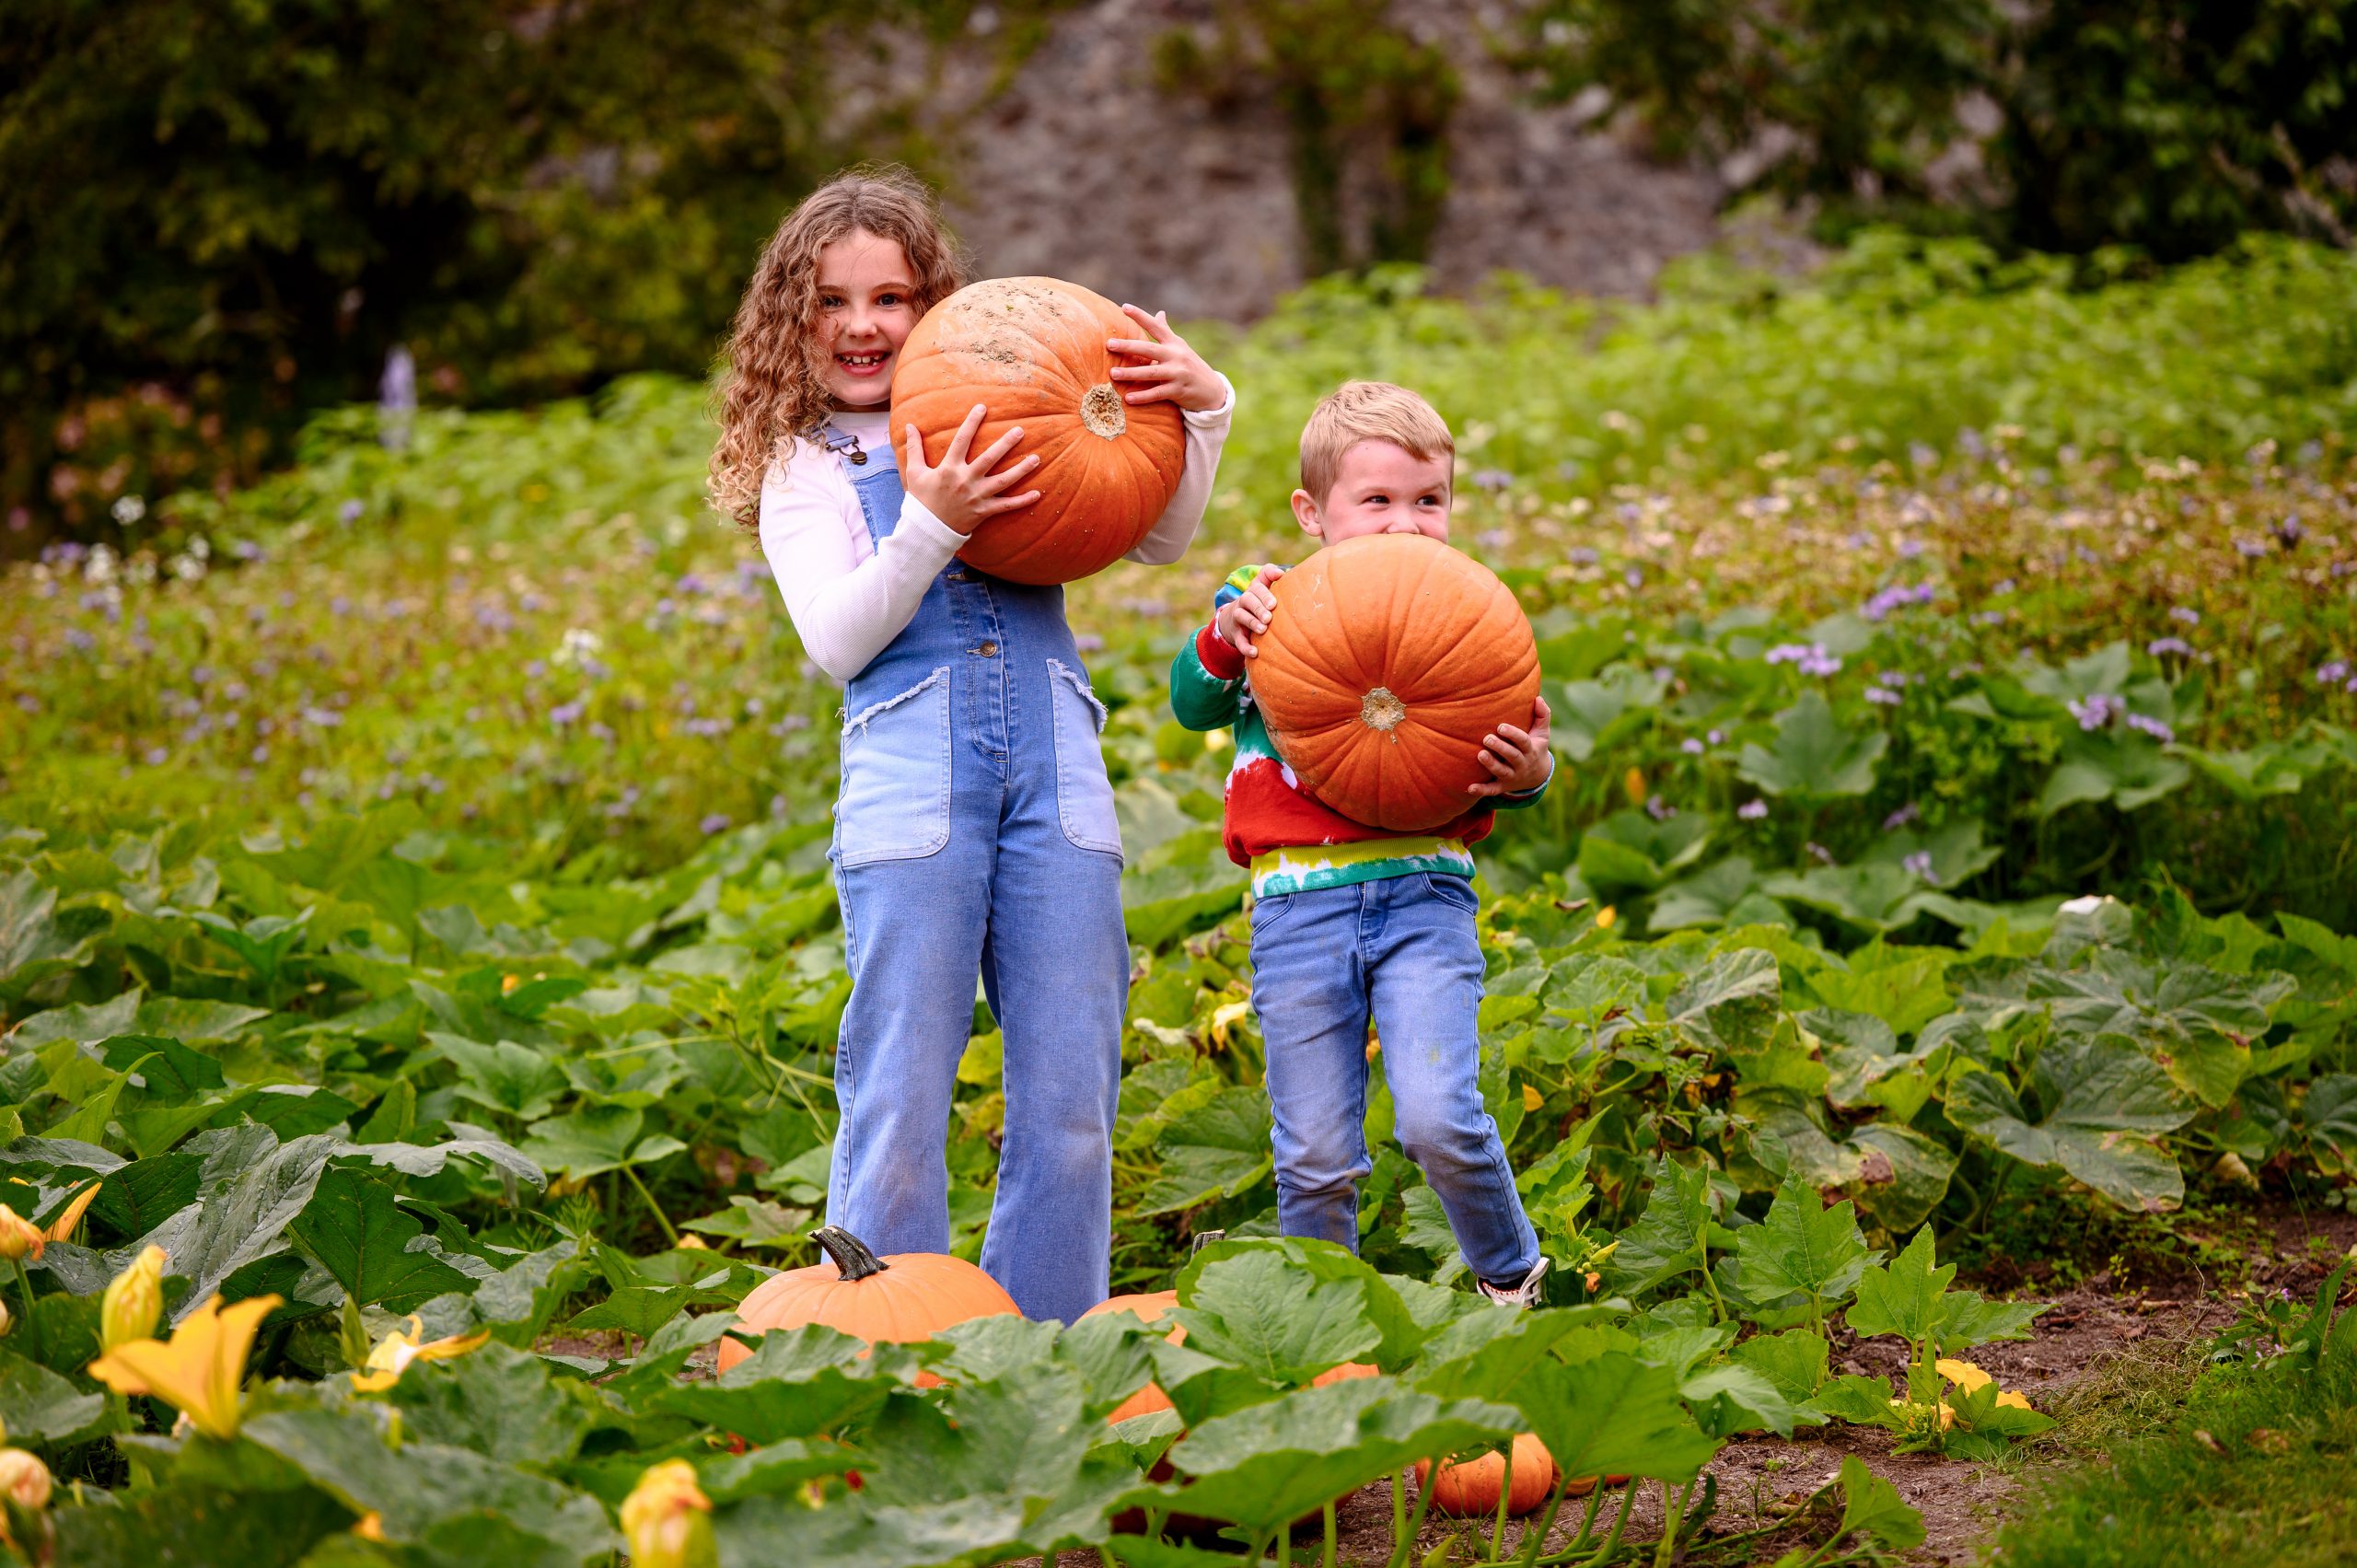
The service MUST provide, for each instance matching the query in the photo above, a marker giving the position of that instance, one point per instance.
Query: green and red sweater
(1291, 842)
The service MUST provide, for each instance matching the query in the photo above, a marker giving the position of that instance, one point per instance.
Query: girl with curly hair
(974, 829)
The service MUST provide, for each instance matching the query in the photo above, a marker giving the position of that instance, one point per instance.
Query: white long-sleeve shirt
(848, 599)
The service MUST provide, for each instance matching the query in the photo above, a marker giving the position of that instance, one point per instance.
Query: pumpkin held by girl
(1032, 351)
(1391, 657)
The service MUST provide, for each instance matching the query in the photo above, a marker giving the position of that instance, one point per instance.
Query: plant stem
(1403, 1549)
(1505, 1495)
(1673, 1516)
(1331, 1541)
(660, 1217)
(1620, 1522)
(1399, 1503)
(32, 1325)
(1534, 1540)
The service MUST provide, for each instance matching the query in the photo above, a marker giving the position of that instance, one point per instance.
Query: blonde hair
(772, 387)
(1367, 411)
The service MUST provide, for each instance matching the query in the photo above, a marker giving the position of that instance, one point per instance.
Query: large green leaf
(497, 1402)
(1216, 1150)
(1263, 1313)
(1802, 1248)
(1629, 849)
(1872, 1506)
(595, 1139)
(797, 1382)
(1609, 1413)
(377, 1252)
(1795, 1361)
(1814, 756)
(1903, 1297)
(250, 1190)
(1732, 1002)
(2104, 1103)
(1268, 1465)
(1667, 1241)
(2126, 768)
(38, 1406)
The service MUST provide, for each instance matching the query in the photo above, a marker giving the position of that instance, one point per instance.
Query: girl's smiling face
(867, 306)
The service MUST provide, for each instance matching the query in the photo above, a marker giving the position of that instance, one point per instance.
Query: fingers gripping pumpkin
(909, 1296)
(1389, 658)
(1032, 352)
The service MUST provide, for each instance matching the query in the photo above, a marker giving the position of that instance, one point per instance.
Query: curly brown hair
(770, 389)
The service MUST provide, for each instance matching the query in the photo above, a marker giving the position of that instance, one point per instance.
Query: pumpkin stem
(1381, 711)
(1204, 1238)
(1101, 411)
(849, 1252)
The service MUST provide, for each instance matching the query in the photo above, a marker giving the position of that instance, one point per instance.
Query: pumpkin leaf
(39, 1406)
(1631, 850)
(497, 1402)
(1667, 1241)
(1903, 1298)
(1259, 1312)
(1730, 1399)
(1795, 1361)
(1872, 1506)
(1731, 1003)
(1266, 1465)
(2105, 1100)
(1217, 1150)
(797, 1382)
(377, 1252)
(1813, 755)
(1802, 1247)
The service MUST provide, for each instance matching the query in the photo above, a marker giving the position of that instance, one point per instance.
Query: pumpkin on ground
(908, 1295)
(1148, 1308)
(1472, 1489)
(1390, 656)
(1031, 351)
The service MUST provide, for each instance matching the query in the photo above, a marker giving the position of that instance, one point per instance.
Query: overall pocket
(895, 799)
(1083, 797)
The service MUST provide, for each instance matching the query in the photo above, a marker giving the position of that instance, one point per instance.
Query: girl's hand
(1247, 617)
(1173, 371)
(963, 491)
(1516, 758)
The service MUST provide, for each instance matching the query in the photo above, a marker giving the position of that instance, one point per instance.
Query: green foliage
(2171, 125)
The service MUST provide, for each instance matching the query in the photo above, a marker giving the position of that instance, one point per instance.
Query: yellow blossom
(24, 1480)
(1967, 1377)
(69, 1216)
(668, 1519)
(200, 1370)
(1605, 916)
(692, 1243)
(397, 1350)
(134, 1301)
(19, 1237)
(370, 1525)
(1635, 784)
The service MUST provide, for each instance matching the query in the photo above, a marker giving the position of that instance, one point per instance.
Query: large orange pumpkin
(908, 1295)
(1148, 1308)
(1388, 659)
(1032, 352)
(1471, 1487)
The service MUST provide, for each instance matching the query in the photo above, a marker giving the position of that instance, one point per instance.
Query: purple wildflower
(2249, 549)
(1492, 479)
(1900, 818)
(2151, 726)
(2160, 645)
(1824, 856)
(1884, 696)
(715, 823)
(1809, 658)
(2331, 671)
(1660, 810)
(1752, 810)
(350, 512)
(1919, 864)
(2096, 712)
(1690, 745)
(1716, 737)
(2184, 615)
(565, 713)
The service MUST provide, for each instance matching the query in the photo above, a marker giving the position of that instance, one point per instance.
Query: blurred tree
(235, 206)
(2169, 124)
(1366, 107)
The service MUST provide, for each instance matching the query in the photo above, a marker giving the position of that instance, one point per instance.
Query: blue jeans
(1402, 948)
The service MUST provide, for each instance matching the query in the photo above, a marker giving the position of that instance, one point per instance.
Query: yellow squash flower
(200, 1369)
(134, 1301)
(397, 1350)
(69, 1216)
(1967, 1376)
(668, 1519)
(24, 1480)
(19, 1237)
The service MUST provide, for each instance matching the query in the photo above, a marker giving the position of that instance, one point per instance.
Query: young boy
(1349, 919)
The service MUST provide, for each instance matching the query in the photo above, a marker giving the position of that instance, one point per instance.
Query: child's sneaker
(1523, 1294)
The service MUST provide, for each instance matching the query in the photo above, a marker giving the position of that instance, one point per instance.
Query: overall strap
(875, 479)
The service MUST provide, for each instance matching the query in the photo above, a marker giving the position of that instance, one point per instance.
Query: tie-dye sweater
(1291, 842)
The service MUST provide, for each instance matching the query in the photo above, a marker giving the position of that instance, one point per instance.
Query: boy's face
(1379, 487)
(866, 308)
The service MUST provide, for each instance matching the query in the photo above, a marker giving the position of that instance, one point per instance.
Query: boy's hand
(962, 492)
(1173, 371)
(1516, 758)
(1243, 619)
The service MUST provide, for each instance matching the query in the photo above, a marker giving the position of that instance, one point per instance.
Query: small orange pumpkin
(1471, 1487)
(908, 1295)
(1148, 1308)
(1389, 658)
(1031, 351)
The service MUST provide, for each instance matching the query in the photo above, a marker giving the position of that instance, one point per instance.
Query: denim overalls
(975, 832)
